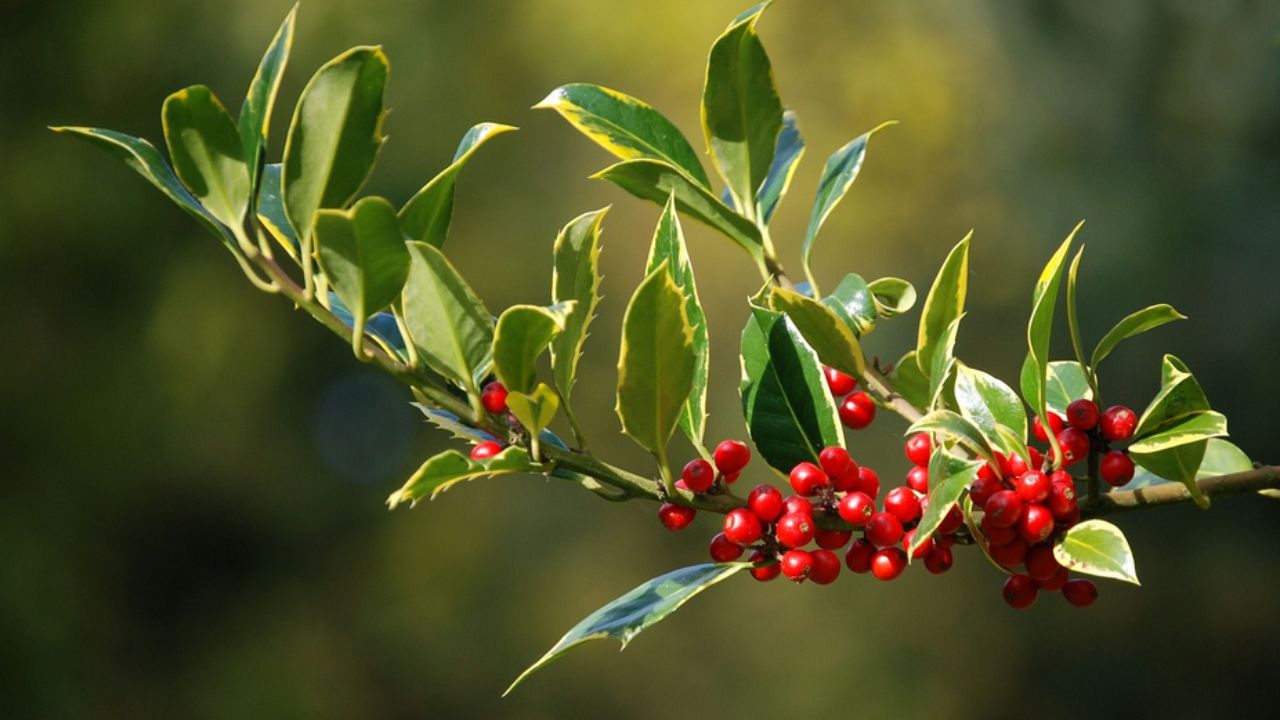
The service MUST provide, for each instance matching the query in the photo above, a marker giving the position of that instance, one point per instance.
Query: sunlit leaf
(948, 478)
(893, 296)
(575, 277)
(207, 153)
(943, 304)
(523, 332)
(957, 427)
(1096, 547)
(448, 325)
(451, 467)
(1137, 323)
(786, 157)
(830, 337)
(255, 112)
(429, 212)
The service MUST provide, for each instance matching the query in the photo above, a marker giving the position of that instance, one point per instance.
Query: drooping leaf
(1137, 323)
(837, 175)
(1096, 547)
(956, 426)
(948, 478)
(786, 157)
(830, 337)
(429, 212)
(893, 296)
(206, 151)
(656, 363)
(270, 209)
(535, 410)
(655, 181)
(625, 126)
(255, 112)
(741, 112)
(523, 333)
(451, 467)
(1044, 298)
(628, 615)
(909, 382)
(669, 246)
(789, 410)
(575, 277)
(448, 325)
(990, 404)
(364, 256)
(944, 303)
(335, 135)
(854, 304)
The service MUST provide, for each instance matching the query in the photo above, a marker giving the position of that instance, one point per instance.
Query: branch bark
(1266, 477)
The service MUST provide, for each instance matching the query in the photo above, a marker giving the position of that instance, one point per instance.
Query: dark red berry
(806, 478)
(766, 502)
(826, 567)
(884, 529)
(952, 521)
(494, 398)
(1116, 468)
(1067, 521)
(908, 537)
(1015, 466)
(764, 573)
(1004, 508)
(904, 503)
(848, 481)
(1080, 592)
(1055, 583)
(1002, 462)
(1020, 591)
(835, 461)
(997, 535)
(732, 478)
(839, 383)
(698, 475)
(1062, 500)
(731, 456)
(1083, 414)
(1075, 445)
(795, 529)
(676, 517)
(938, 560)
(724, 550)
(797, 564)
(485, 450)
(918, 448)
(1118, 423)
(888, 563)
(856, 508)
(1037, 458)
(858, 557)
(857, 411)
(1011, 554)
(1061, 477)
(797, 504)
(984, 486)
(742, 526)
(1036, 523)
(832, 539)
(1041, 565)
(1056, 423)
(868, 482)
(918, 479)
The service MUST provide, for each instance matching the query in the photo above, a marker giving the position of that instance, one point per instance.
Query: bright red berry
(857, 411)
(938, 560)
(918, 448)
(1011, 554)
(1061, 477)
(765, 502)
(1004, 508)
(984, 486)
(1056, 423)
(904, 503)
(806, 478)
(826, 567)
(485, 450)
(795, 529)
(839, 383)
(918, 479)
(888, 563)
(731, 456)
(675, 517)
(952, 521)
(1036, 523)
(742, 526)
(1055, 583)
(884, 529)
(1116, 468)
(1037, 458)
(732, 478)
(1033, 486)
(797, 504)
(1020, 591)
(1083, 414)
(764, 573)
(919, 552)
(849, 481)
(797, 564)
(494, 398)
(1062, 500)
(868, 482)
(1118, 423)
(856, 508)
(1040, 562)
(832, 539)
(835, 461)
(1080, 592)
(1015, 466)
(723, 549)
(698, 475)
(1075, 445)
(858, 557)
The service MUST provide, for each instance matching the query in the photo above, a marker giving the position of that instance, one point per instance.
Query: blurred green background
(191, 516)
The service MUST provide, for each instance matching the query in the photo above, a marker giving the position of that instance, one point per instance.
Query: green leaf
(1178, 450)
(944, 303)
(255, 112)
(628, 615)
(1189, 429)
(522, 333)
(335, 136)
(955, 426)
(656, 363)
(364, 257)
(1065, 381)
(948, 478)
(1073, 318)
(534, 410)
(854, 304)
(575, 278)
(786, 158)
(990, 404)
(1180, 396)
(655, 181)
(669, 247)
(457, 427)
(447, 323)
(837, 175)
(893, 296)
(789, 410)
(1221, 457)
(943, 362)
(451, 467)
(909, 382)
(830, 337)
(741, 112)
(429, 212)
(1096, 547)
(1139, 322)
(145, 160)
(1044, 298)
(270, 209)
(206, 151)
(625, 126)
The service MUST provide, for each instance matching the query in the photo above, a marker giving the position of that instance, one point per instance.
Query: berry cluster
(857, 409)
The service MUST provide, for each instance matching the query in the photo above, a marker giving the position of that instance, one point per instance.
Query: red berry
(1055, 583)
(952, 521)
(997, 535)
(1116, 468)
(1062, 500)
(1041, 565)
(494, 398)
(835, 461)
(857, 411)
(832, 539)
(944, 540)
(1015, 466)
(888, 563)
(1011, 554)
(1020, 591)
(1067, 521)
(806, 478)
(984, 486)
(732, 478)
(884, 529)
(795, 529)
(742, 526)
(1118, 423)
(698, 475)
(856, 508)
(1036, 523)
(868, 482)
(904, 503)
(938, 560)
(849, 480)
(1075, 445)
(918, 479)
(919, 552)
(918, 449)
(839, 383)
(766, 502)
(1080, 592)
(796, 564)
(731, 456)
(826, 567)
(764, 573)
(858, 557)
(1002, 463)
(1033, 486)
(724, 550)
(797, 504)
(1004, 508)
(1061, 477)
(1083, 414)
(1037, 458)
(485, 450)
(675, 517)
(1056, 423)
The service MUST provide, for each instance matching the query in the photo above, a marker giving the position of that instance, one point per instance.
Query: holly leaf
(575, 277)
(830, 337)
(363, 255)
(989, 403)
(523, 332)
(428, 214)
(1148, 318)
(443, 471)
(957, 427)
(270, 210)
(786, 157)
(893, 296)
(448, 325)
(853, 302)
(255, 112)
(944, 303)
(1096, 547)
(948, 478)
(207, 153)
(535, 410)
(1044, 299)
